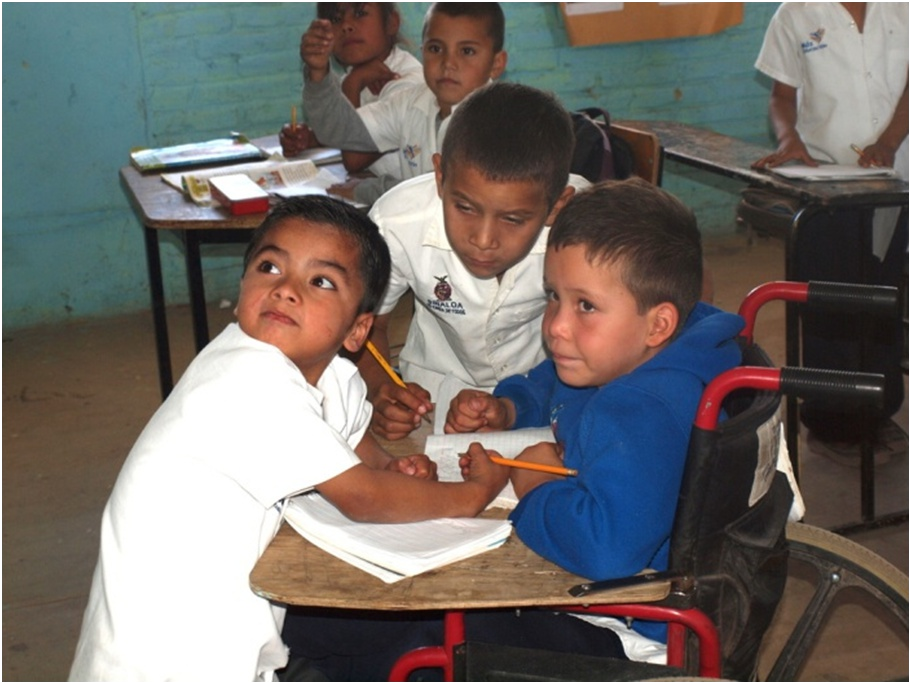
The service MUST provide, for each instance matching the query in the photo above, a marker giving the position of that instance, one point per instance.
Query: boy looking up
(631, 350)
(266, 410)
(462, 49)
(468, 241)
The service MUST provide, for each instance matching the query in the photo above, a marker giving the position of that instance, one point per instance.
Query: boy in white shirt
(469, 242)
(266, 410)
(462, 49)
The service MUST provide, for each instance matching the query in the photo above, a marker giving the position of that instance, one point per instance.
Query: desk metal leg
(159, 318)
(196, 289)
(792, 340)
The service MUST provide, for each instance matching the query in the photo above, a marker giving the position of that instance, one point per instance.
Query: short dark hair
(331, 10)
(512, 132)
(374, 261)
(489, 11)
(650, 234)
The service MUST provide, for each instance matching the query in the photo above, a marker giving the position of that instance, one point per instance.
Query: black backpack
(598, 155)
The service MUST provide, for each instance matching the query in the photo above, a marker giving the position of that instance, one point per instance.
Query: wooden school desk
(159, 207)
(730, 157)
(295, 572)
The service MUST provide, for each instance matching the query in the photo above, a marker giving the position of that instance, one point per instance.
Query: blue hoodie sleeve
(612, 519)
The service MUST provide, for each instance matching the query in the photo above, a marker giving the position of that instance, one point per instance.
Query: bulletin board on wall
(593, 23)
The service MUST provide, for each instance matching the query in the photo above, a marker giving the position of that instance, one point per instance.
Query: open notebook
(392, 551)
(445, 451)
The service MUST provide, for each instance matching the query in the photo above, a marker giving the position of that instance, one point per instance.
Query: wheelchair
(731, 545)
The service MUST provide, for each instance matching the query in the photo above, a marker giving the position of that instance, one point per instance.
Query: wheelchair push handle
(872, 299)
(860, 388)
(877, 300)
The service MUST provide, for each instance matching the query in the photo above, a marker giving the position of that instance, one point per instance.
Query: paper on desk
(276, 176)
(832, 172)
(393, 551)
(444, 450)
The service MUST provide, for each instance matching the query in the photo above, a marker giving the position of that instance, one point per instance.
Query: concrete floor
(76, 396)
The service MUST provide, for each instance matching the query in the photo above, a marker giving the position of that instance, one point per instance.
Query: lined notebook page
(445, 450)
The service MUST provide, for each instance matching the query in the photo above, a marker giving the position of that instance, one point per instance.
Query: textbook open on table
(277, 176)
(392, 551)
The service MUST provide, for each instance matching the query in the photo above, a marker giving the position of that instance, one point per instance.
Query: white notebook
(832, 172)
(445, 451)
(392, 551)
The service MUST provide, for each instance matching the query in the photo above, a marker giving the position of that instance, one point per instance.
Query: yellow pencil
(293, 117)
(540, 467)
(389, 371)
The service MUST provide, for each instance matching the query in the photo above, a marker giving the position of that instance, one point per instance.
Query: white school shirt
(480, 331)
(197, 502)
(411, 74)
(848, 83)
(409, 124)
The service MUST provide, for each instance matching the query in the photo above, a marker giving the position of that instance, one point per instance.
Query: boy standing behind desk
(840, 75)
(462, 49)
(468, 241)
(631, 350)
(267, 410)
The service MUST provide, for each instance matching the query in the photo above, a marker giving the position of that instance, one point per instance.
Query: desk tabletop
(161, 207)
(731, 157)
(295, 572)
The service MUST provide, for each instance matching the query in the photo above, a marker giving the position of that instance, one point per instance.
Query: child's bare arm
(783, 115)
(367, 495)
(476, 411)
(373, 75)
(316, 48)
(374, 456)
(882, 152)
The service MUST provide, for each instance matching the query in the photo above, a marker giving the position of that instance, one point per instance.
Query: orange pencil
(540, 467)
(389, 371)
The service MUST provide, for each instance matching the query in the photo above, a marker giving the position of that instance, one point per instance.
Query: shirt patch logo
(443, 290)
(411, 153)
(443, 302)
(815, 42)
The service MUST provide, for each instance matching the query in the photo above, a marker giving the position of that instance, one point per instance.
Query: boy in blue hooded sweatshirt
(630, 350)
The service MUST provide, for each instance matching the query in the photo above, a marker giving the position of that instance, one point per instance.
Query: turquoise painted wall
(84, 82)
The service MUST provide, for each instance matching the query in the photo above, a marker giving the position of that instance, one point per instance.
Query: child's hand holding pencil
(398, 407)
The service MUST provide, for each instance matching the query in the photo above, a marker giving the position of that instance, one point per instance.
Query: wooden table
(731, 158)
(295, 572)
(160, 207)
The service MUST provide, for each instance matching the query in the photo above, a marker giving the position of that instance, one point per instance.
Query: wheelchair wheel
(833, 580)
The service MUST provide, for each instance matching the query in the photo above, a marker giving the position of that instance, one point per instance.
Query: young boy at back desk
(200, 495)
(468, 241)
(631, 350)
(365, 37)
(461, 50)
